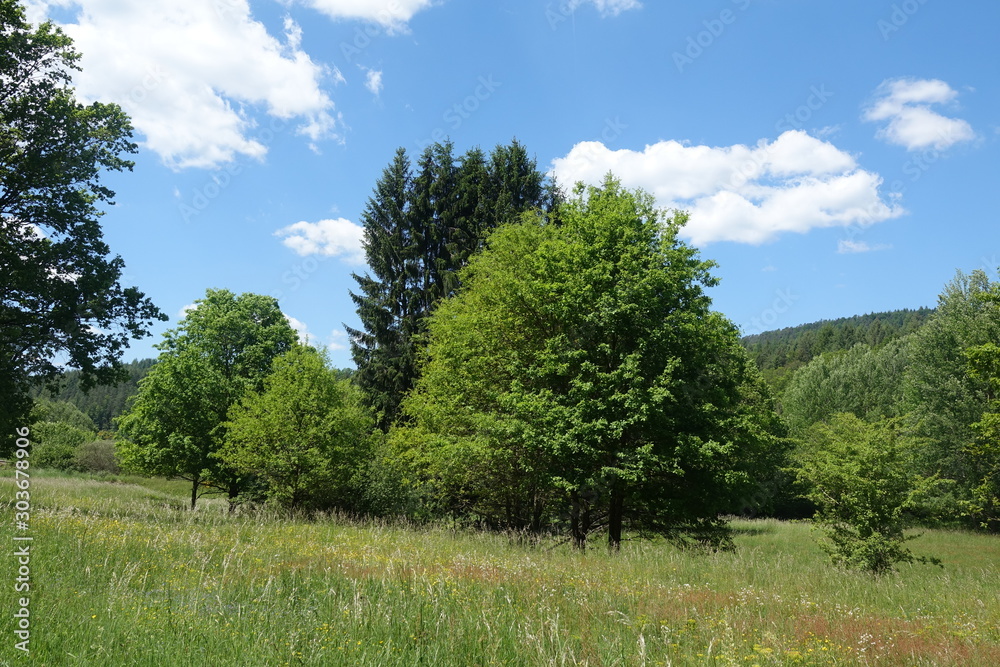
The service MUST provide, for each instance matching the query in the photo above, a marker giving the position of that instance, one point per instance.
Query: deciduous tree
(580, 364)
(60, 290)
(306, 435)
(222, 350)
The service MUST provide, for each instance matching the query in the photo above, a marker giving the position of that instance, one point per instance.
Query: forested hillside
(780, 352)
(101, 403)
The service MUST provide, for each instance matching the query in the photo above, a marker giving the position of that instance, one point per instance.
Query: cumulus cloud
(906, 106)
(300, 329)
(393, 15)
(608, 7)
(747, 194)
(331, 238)
(845, 246)
(338, 341)
(193, 75)
(373, 80)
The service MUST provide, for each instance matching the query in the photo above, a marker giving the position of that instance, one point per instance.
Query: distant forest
(102, 403)
(781, 352)
(778, 354)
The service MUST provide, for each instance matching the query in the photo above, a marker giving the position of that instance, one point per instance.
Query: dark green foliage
(579, 373)
(780, 353)
(97, 456)
(59, 288)
(860, 477)
(104, 402)
(421, 227)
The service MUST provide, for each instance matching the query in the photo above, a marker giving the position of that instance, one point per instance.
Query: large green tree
(306, 435)
(422, 225)
(580, 370)
(60, 290)
(221, 351)
(942, 397)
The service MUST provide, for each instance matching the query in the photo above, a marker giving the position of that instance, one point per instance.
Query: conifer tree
(422, 225)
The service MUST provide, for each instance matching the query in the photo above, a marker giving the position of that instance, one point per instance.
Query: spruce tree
(421, 227)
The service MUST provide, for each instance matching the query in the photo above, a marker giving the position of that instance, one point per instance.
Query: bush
(55, 444)
(861, 478)
(97, 456)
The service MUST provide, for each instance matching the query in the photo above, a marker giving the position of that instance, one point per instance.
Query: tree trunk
(616, 510)
(194, 490)
(579, 520)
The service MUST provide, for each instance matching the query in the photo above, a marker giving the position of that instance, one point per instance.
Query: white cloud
(182, 313)
(373, 80)
(332, 238)
(338, 341)
(192, 74)
(905, 104)
(747, 194)
(300, 328)
(393, 15)
(608, 7)
(845, 246)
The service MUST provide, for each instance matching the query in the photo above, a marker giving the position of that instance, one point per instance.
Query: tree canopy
(580, 371)
(305, 435)
(421, 227)
(222, 350)
(60, 291)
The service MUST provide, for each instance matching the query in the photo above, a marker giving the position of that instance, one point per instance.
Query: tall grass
(123, 575)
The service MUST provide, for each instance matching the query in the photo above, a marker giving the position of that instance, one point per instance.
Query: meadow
(123, 574)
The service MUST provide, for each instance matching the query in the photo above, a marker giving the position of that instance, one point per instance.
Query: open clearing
(123, 574)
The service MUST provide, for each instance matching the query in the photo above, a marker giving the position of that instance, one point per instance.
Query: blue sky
(836, 157)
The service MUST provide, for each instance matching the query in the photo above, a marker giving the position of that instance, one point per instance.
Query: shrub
(861, 479)
(97, 456)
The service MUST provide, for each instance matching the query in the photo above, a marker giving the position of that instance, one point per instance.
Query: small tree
(859, 476)
(221, 351)
(305, 435)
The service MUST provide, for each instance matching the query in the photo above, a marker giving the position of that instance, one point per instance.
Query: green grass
(122, 574)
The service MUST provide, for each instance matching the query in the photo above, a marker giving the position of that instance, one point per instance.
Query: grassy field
(121, 574)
